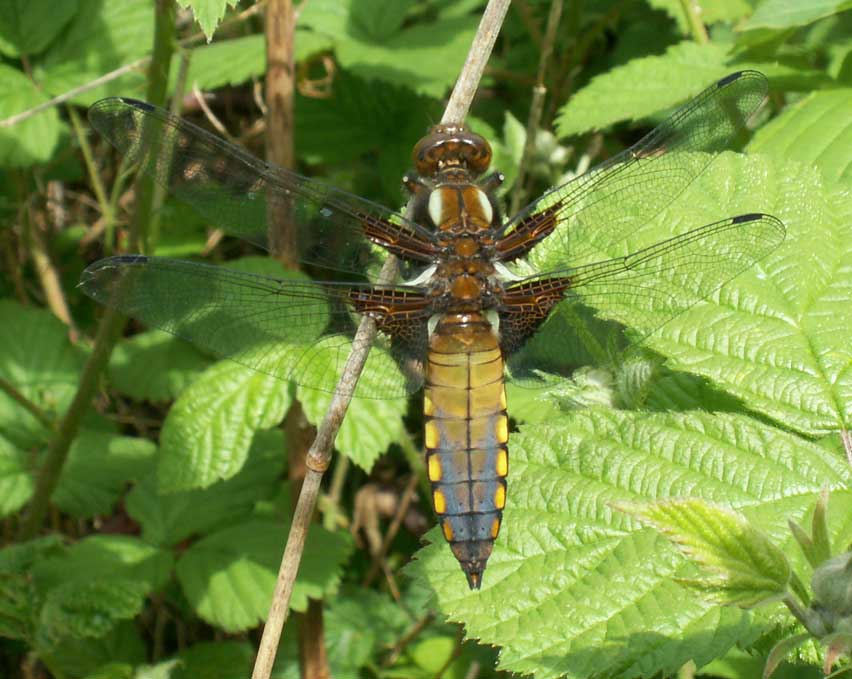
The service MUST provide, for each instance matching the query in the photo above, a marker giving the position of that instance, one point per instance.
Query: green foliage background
(172, 507)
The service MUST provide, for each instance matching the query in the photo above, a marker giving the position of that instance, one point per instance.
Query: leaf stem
(319, 455)
(28, 405)
(692, 11)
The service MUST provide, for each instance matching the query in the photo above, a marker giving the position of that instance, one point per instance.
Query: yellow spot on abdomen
(500, 496)
(502, 429)
(502, 463)
(503, 397)
(495, 529)
(434, 468)
(431, 434)
(428, 406)
(448, 530)
(439, 501)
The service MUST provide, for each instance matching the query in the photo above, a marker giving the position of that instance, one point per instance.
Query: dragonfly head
(451, 145)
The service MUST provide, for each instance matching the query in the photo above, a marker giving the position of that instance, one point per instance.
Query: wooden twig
(393, 529)
(477, 57)
(319, 455)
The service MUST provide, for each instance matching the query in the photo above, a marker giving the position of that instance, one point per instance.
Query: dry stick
(319, 455)
(379, 556)
(537, 104)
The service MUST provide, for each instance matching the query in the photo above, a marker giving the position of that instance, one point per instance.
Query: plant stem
(111, 324)
(692, 11)
(537, 104)
(48, 476)
(319, 455)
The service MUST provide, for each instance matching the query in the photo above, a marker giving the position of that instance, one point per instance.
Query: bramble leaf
(816, 129)
(574, 587)
(154, 366)
(168, 518)
(229, 576)
(782, 14)
(740, 565)
(99, 466)
(28, 26)
(208, 431)
(208, 13)
(30, 141)
(38, 360)
(643, 86)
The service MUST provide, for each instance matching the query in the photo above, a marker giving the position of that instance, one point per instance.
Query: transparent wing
(293, 329)
(594, 213)
(643, 290)
(238, 192)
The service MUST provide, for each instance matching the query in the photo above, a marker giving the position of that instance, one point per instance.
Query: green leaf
(208, 13)
(170, 518)
(781, 14)
(99, 466)
(39, 361)
(816, 129)
(592, 593)
(28, 26)
(16, 483)
(229, 576)
(226, 62)
(643, 86)
(103, 35)
(424, 56)
(113, 670)
(81, 656)
(778, 335)
(104, 557)
(215, 660)
(208, 431)
(370, 425)
(33, 140)
(88, 608)
(742, 565)
(154, 366)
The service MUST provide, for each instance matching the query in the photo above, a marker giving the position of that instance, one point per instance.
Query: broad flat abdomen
(466, 433)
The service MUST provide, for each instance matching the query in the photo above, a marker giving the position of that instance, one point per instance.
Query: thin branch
(474, 65)
(319, 456)
(537, 104)
(47, 274)
(692, 10)
(393, 529)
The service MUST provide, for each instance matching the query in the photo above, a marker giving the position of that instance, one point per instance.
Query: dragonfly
(473, 286)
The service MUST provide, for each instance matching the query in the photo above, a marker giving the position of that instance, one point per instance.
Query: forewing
(645, 289)
(238, 192)
(294, 329)
(596, 212)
